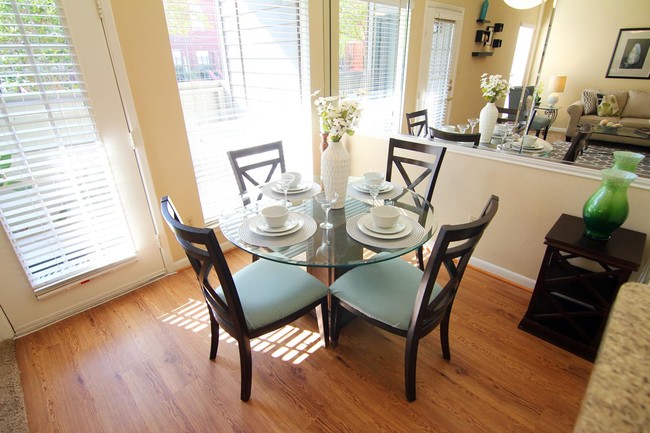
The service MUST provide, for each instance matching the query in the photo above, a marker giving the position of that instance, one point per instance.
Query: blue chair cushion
(384, 291)
(540, 123)
(270, 291)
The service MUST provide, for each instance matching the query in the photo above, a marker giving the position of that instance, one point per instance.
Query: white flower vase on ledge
(335, 170)
(487, 121)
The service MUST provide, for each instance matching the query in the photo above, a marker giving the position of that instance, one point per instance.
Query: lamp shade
(523, 4)
(556, 83)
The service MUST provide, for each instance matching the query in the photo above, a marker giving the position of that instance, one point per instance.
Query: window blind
(439, 66)
(58, 203)
(372, 44)
(242, 68)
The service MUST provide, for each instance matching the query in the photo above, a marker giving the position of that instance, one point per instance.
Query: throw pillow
(608, 106)
(589, 101)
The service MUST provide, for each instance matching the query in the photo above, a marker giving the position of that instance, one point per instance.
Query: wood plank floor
(140, 364)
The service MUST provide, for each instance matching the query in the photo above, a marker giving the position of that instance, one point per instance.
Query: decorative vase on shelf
(484, 9)
(487, 121)
(335, 170)
(608, 207)
(627, 161)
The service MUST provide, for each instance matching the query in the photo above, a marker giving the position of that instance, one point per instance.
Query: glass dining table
(352, 241)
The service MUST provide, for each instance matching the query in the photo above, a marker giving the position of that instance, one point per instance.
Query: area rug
(600, 155)
(13, 418)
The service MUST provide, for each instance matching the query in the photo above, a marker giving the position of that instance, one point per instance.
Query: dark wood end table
(577, 285)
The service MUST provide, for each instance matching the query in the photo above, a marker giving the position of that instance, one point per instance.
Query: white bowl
(373, 178)
(448, 128)
(275, 216)
(297, 178)
(385, 217)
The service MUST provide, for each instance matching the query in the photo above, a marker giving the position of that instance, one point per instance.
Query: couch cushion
(635, 122)
(592, 119)
(608, 106)
(638, 105)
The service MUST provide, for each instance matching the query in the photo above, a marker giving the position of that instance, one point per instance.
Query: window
(254, 89)
(58, 201)
(372, 50)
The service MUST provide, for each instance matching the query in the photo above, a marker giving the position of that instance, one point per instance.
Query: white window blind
(58, 203)
(372, 45)
(253, 90)
(438, 84)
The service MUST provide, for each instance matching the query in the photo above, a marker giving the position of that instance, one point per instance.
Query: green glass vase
(607, 208)
(627, 161)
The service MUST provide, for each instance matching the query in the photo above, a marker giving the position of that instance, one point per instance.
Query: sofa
(630, 108)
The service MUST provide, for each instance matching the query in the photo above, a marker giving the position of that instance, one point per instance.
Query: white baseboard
(503, 273)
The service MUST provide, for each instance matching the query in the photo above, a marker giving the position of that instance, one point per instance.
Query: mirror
(563, 50)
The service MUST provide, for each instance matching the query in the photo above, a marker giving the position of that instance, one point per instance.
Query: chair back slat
(397, 151)
(418, 123)
(464, 237)
(204, 253)
(454, 136)
(247, 165)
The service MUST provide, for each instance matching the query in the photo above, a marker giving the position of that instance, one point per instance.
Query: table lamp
(555, 86)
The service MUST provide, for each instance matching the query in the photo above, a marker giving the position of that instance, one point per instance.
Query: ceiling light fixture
(523, 4)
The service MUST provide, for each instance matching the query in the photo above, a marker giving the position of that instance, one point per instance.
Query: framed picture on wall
(631, 56)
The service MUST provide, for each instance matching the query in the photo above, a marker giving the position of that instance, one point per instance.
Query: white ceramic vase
(487, 121)
(335, 170)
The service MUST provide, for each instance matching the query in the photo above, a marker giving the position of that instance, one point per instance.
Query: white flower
(494, 87)
(338, 115)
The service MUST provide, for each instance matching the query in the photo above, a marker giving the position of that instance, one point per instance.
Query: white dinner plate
(301, 187)
(369, 223)
(288, 225)
(407, 229)
(254, 223)
(359, 186)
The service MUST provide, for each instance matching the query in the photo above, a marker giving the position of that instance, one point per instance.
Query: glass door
(439, 57)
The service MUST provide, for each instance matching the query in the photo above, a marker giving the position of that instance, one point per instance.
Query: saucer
(407, 228)
(359, 186)
(293, 224)
(301, 187)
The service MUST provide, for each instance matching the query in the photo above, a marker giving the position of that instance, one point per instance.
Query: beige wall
(582, 42)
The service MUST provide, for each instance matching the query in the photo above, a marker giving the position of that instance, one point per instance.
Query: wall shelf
(482, 53)
(483, 21)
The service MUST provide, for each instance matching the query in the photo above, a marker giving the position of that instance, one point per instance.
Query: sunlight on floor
(290, 343)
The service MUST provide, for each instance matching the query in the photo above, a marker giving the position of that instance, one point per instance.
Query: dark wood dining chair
(511, 114)
(403, 300)
(415, 168)
(578, 144)
(256, 165)
(418, 123)
(262, 297)
(454, 136)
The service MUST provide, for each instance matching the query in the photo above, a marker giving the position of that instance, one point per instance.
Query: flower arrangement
(494, 87)
(338, 115)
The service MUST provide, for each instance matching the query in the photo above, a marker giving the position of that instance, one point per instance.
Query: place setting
(385, 227)
(290, 184)
(277, 226)
(373, 184)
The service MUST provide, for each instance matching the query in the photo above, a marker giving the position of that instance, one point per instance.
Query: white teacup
(529, 140)
(296, 178)
(373, 178)
(275, 216)
(385, 217)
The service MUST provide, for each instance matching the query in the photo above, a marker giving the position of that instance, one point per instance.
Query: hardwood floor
(140, 364)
